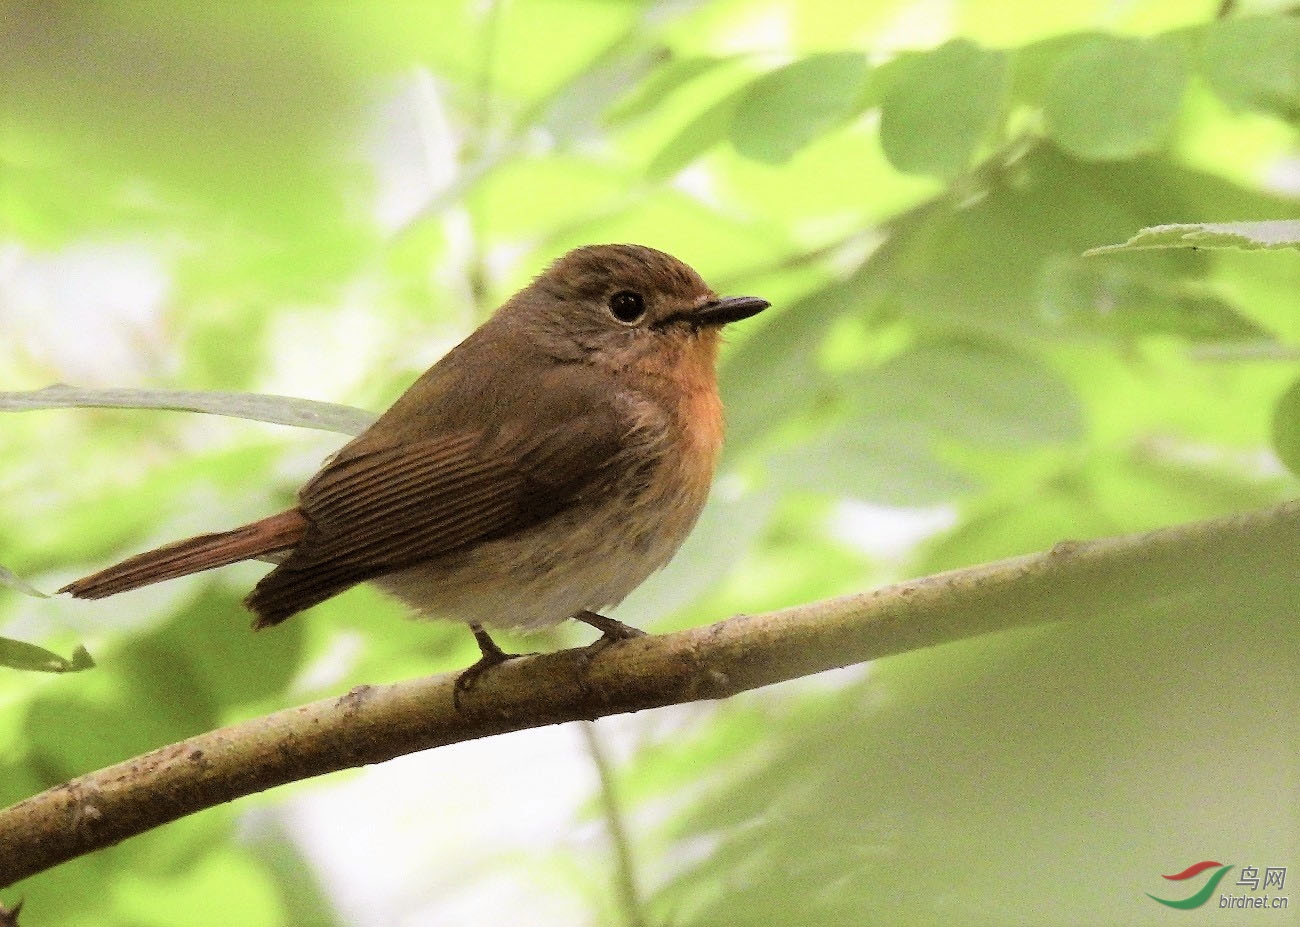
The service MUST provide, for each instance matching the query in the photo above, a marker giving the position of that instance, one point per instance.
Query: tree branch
(371, 724)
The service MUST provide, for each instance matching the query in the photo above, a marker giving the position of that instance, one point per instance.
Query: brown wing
(392, 507)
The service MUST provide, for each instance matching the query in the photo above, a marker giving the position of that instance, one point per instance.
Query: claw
(492, 656)
(611, 631)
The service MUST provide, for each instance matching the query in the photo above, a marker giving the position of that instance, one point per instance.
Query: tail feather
(276, 533)
(281, 595)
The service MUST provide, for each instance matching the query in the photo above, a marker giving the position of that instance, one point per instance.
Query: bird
(539, 471)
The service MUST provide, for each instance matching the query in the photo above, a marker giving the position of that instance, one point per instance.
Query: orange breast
(678, 378)
(699, 412)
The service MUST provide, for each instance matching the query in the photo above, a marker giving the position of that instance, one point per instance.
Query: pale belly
(585, 558)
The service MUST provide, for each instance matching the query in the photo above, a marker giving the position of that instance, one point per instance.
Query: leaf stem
(624, 864)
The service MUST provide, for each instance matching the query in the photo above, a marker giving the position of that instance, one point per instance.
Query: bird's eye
(627, 307)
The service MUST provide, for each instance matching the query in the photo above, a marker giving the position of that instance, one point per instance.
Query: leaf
(18, 584)
(1112, 298)
(903, 414)
(257, 407)
(147, 698)
(942, 106)
(664, 81)
(226, 661)
(1286, 428)
(1112, 99)
(1249, 236)
(576, 111)
(1254, 63)
(894, 464)
(774, 377)
(696, 137)
(981, 266)
(971, 393)
(24, 656)
(785, 109)
(822, 821)
(1032, 65)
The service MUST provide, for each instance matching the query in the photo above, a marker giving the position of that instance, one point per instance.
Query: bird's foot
(492, 656)
(611, 631)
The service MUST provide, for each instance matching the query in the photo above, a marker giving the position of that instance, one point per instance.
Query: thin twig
(370, 724)
(256, 407)
(624, 865)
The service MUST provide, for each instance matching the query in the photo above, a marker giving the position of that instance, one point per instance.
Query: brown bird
(540, 471)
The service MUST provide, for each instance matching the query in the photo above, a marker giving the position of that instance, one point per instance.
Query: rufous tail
(276, 533)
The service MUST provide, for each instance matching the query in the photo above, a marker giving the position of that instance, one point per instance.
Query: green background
(318, 199)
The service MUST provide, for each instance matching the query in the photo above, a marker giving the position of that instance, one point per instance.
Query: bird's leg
(610, 630)
(492, 656)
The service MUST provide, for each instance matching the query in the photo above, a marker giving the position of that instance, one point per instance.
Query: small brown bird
(540, 471)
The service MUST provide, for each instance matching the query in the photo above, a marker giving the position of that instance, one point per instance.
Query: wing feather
(384, 509)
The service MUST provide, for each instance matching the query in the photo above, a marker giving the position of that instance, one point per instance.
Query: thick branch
(375, 723)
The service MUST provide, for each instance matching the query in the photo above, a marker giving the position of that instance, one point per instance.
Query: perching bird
(540, 471)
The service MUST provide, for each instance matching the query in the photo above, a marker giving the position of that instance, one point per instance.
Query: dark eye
(627, 307)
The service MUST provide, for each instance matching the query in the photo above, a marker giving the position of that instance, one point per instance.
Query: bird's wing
(384, 509)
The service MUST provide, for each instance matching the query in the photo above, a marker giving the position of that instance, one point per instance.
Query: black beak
(731, 309)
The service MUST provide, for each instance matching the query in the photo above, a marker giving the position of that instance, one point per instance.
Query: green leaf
(980, 266)
(1112, 99)
(257, 407)
(81, 659)
(1032, 65)
(818, 826)
(224, 657)
(784, 110)
(1254, 63)
(664, 81)
(24, 656)
(903, 415)
(1249, 236)
(577, 110)
(971, 393)
(894, 464)
(942, 106)
(1111, 298)
(145, 699)
(784, 352)
(696, 137)
(1286, 428)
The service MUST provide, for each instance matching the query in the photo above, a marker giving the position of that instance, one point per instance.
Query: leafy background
(319, 199)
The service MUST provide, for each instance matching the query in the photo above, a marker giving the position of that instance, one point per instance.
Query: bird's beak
(730, 309)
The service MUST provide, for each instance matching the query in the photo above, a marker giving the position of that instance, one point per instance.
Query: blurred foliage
(322, 198)
(1246, 235)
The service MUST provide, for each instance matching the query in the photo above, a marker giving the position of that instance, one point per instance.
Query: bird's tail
(276, 533)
